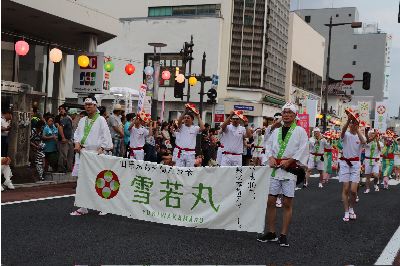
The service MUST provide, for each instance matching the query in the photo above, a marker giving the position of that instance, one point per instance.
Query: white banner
(312, 110)
(381, 112)
(230, 198)
(142, 94)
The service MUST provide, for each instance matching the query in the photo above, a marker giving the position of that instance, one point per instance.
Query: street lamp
(156, 77)
(354, 25)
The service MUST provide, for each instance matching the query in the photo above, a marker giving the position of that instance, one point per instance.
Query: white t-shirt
(351, 145)
(233, 138)
(138, 137)
(186, 136)
(322, 145)
(4, 123)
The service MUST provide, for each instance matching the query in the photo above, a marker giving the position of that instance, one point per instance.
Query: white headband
(317, 129)
(90, 100)
(290, 106)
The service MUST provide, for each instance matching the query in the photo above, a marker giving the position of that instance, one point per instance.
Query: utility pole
(190, 58)
(203, 79)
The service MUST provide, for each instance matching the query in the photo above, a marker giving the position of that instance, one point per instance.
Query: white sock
(346, 214)
(351, 210)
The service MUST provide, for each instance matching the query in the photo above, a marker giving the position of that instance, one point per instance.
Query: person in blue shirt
(50, 134)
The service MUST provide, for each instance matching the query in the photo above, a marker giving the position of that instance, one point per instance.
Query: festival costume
(137, 141)
(372, 158)
(185, 150)
(233, 145)
(293, 145)
(92, 134)
(258, 145)
(349, 162)
(316, 159)
(388, 158)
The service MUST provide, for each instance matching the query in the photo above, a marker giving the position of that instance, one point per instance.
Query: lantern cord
(39, 41)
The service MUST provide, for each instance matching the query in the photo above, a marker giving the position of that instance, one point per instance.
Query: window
(307, 19)
(349, 15)
(355, 46)
(249, 3)
(160, 11)
(192, 10)
(248, 20)
(354, 63)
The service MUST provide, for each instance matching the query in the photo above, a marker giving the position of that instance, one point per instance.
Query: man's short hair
(189, 114)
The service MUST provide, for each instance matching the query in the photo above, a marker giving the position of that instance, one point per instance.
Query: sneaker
(357, 199)
(297, 188)
(103, 213)
(376, 188)
(268, 237)
(283, 241)
(366, 191)
(278, 203)
(9, 184)
(80, 211)
(320, 185)
(305, 186)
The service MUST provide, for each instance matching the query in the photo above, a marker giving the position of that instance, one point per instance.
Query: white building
(353, 51)
(245, 43)
(305, 63)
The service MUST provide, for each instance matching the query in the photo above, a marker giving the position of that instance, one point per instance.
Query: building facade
(352, 51)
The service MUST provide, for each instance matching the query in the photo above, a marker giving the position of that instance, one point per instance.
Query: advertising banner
(230, 198)
(89, 79)
(304, 122)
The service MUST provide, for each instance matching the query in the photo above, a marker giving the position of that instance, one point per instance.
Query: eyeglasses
(287, 112)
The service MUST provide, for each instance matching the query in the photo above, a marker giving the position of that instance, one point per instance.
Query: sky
(385, 13)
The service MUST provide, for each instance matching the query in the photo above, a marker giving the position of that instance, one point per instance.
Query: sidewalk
(39, 190)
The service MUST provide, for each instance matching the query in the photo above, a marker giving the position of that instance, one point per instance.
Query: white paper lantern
(148, 70)
(55, 55)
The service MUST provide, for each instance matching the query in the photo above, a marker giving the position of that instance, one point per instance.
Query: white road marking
(39, 199)
(392, 248)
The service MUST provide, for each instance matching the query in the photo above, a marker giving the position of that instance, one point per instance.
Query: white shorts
(318, 164)
(371, 169)
(219, 155)
(349, 174)
(186, 159)
(137, 155)
(285, 187)
(231, 160)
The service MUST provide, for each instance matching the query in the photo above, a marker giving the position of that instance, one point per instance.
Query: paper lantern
(180, 78)
(192, 81)
(55, 55)
(148, 71)
(166, 75)
(21, 48)
(328, 117)
(320, 116)
(129, 69)
(83, 61)
(109, 66)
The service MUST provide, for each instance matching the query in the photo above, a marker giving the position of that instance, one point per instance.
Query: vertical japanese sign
(312, 110)
(89, 79)
(364, 110)
(304, 122)
(142, 95)
(190, 196)
(381, 112)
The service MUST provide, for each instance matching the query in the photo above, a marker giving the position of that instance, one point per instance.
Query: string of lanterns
(55, 55)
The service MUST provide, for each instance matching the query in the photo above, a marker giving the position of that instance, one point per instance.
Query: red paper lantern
(166, 75)
(21, 48)
(129, 69)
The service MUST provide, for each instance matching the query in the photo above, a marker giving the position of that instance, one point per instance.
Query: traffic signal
(366, 80)
(187, 52)
(178, 89)
(212, 95)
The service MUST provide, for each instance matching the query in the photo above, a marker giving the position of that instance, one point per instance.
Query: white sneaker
(278, 203)
(366, 191)
(376, 188)
(297, 188)
(357, 199)
(9, 184)
(103, 213)
(320, 185)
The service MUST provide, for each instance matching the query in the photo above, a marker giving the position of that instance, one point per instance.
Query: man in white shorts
(288, 150)
(233, 135)
(316, 160)
(350, 165)
(185, 150)
(372, 160)
(138, 135)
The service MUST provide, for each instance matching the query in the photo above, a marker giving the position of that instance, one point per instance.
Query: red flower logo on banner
(107, 184)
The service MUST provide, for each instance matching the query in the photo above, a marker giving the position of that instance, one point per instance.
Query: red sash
(183, 149)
